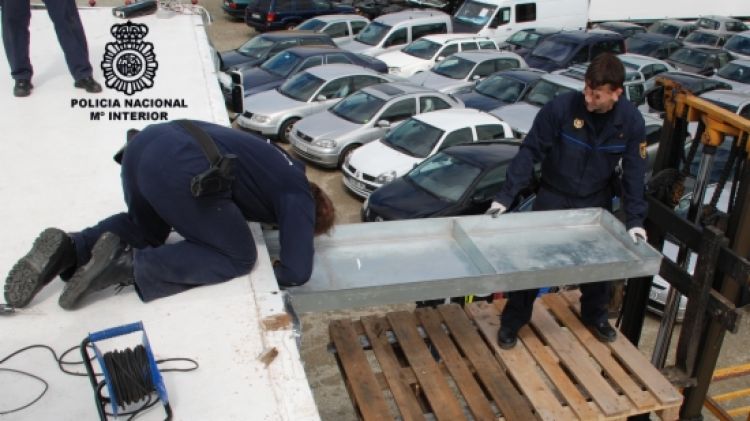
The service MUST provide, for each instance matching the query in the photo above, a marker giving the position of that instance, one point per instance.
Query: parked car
(461, 71)
(735, 102)
(287, 63)
(274, 112)
(459, 180)
(261, 47)
(523, 41)
(501, 88)
(626, 29)
(735, 73)
(416, 139)
(235, 8)
(573, 47)
(653, 45)
(395, 30)
(423, 53)
(696, 84)
(739, 45)
(270, 15)
(674, 28)
(648, 66)
(699, 60)
(328, 137)
(374, 8)
(706, 38)
(721, 23)
(340, 28)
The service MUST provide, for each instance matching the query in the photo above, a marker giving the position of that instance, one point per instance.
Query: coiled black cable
(129, 375)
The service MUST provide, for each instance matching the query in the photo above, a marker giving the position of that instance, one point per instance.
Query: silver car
(326, 138)
(735, 73)
(341, 28)
(274, 112)
(460, 71)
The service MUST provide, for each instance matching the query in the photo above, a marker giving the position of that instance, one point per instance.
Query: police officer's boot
(111, 264)
(53, 253)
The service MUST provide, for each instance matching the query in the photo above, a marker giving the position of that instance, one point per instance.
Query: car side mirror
(475, 78)
(383, 124)
(321, 97)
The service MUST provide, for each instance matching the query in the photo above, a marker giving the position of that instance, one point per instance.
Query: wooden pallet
(558, 370)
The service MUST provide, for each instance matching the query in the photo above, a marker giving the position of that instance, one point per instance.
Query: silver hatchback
(462, 70)
(326, 138)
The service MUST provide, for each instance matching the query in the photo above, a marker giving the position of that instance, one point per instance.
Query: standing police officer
(159, 165)
(580, 138)
(16, 39)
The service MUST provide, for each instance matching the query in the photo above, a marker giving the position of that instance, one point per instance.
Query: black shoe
(89, 84)
(111, 264)
(507, 337)
(603, 331)
(52, 253)
(23, 87)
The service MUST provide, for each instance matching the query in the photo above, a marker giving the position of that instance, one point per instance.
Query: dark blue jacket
(577, 163)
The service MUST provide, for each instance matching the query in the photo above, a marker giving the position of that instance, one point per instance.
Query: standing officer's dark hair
(605, 69)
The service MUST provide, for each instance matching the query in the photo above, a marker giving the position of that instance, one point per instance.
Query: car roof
(691, 81)
(675, 22)
(391, 19)
(291, 34)
(733, 98)
(703, 48)
(720, 18)
(443, 38)
(332, 71)
(479, 55)
(639, 60)
(525, 75)
(455, 118)
(485, 154)
(651, 36)
(621, 24)
(567, 81)
(336, 18)
(741, 61)
(390, 90)
(542, 30)
(578, 72)
(313, 50)
(580, 36)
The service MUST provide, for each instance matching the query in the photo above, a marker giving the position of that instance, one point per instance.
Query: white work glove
(637, 232)
(496, 209)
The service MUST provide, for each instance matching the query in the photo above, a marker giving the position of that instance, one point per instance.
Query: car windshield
(475, 13)
(444, 176)
(641, 46)
(629, 65)
(414, 137)
(738, 44)
(690, 57)
(707, 23)
(281, 64)
(544, 91)
(373, 33)
(524, 39)
(358, 108)
(422, 48)
(301, 87)
(501, 88)
(735, 26)
(664, 29)
(702, 38)
(256, 47)
(736, 72)
(555, 50)
(311, 25)
(454, 67)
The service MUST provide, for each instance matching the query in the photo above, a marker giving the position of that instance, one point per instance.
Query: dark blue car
(459, 180)
(269, 15)
(501, 88)
(261, 47)
(652, 45)
(567, 48)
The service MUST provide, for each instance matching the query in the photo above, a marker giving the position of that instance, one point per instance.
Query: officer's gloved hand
(637, 232)
(496, 208)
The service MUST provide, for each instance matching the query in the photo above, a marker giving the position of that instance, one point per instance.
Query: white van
(499, 19)
(393, 31)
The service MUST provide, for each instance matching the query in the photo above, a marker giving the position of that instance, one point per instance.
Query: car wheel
(286, 129)
(346, 153)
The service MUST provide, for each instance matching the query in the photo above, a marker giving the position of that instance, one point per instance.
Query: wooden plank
(365, 391)
(643, 400)
(574, 357)
(521, 367)
(510, 402)
(548, 362)
(462, 376)
(642, 368)
(375, 329)
(444, 404)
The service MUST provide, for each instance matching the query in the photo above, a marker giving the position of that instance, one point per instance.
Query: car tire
(286, 129)
(346, 152)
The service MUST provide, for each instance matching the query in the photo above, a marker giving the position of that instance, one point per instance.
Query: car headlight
(324, 143)
(394, 70)
(260, 118)
(385, 177)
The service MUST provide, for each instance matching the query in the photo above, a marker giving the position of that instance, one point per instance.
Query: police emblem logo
(129, 63)
(644, 152)
(577, 123)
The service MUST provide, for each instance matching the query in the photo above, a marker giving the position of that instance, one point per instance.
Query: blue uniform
(64, 15)
(157, 167)
(578, 170)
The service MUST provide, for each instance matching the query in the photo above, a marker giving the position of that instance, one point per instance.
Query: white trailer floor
(56, 169)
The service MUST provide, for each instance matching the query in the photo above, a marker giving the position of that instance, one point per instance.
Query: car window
(745, 112)
(659, 68)
(337, 58)
(501, 18)
(400, 110)
(357, 26)
(581, 56)
(491, 182)
(606, 47)
(398, 37)
(526, 12)
(457, 137)
(337, 88)
(336, 30)
(466, 46)
(484, 69)
(418, 31)
(362, 81)
(283, 45)
(432, 103)
(647, 71)
(487, 45)
(448, 50)
(310, 62)
(491, 131)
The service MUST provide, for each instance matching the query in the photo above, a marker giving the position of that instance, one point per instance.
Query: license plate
(256, 15)
(357, 184)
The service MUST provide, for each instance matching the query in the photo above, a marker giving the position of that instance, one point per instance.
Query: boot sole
(101, 255)
(31, 273)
